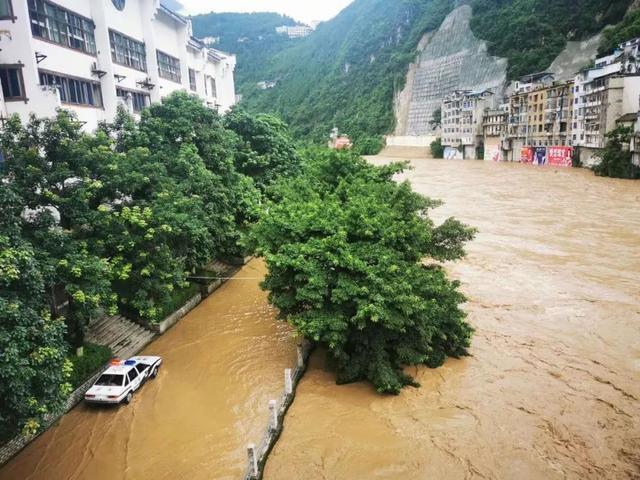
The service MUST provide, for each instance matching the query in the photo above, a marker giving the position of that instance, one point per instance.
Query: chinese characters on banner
(560, 156)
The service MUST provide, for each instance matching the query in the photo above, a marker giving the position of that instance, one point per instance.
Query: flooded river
(552, 388)
(222, 363)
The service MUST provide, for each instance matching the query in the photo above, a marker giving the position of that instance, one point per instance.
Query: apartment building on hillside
(462, 117)
(495, 129)
(91, 56)
(540, 116)
(603, 95)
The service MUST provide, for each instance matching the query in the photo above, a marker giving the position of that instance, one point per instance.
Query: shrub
(94, 359)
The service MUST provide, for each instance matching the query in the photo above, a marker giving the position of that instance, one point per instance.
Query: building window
(58, 25)
(74, 91)
(6, 10)
(140, 100)
(12, 83)
(211, 87)
(127, 51)
(192, 80)
(168, 67)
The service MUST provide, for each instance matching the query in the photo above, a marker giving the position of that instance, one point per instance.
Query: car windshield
(110, 380)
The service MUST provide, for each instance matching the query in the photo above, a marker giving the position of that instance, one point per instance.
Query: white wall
(409, 141)
(142, 20)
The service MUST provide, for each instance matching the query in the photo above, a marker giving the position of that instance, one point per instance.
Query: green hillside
(251, 36)
(345, 74)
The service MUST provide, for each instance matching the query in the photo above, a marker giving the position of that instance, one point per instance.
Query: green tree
(615, 158)
(345, 247)
(265, 150)
(57, 171)
(437, 150)
(33, 370)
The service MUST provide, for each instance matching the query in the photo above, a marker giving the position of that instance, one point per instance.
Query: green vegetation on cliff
(251, 36)
(345, 73)
(532, 33)
(628, 29)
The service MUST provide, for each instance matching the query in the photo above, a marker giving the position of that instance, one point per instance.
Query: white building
(462, 117)
(89, 56)
(602, 95)
(297, 31)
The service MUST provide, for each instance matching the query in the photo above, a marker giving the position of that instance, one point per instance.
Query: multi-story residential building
(495, 129)
(90, 56)
(603, 94)
(540, 113)
(462, 115)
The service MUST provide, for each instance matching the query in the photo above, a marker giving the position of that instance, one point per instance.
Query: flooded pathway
(552, 389)
(222, 363)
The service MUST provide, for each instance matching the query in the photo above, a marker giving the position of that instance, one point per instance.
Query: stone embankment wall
(257, 456)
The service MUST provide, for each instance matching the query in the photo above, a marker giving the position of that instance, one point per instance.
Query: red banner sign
(526, 155)
(560, 156)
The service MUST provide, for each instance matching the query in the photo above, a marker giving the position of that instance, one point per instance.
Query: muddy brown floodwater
(552, 388)
(222, 364)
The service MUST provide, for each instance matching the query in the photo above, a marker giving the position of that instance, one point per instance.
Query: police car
(118, 382)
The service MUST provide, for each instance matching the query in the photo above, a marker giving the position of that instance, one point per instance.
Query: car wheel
(154, 372)
(128, 398)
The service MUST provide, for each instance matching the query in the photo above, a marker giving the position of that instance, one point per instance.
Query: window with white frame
(139, 100)
(59, 25)
(168, 67)
(74, 91)
(127, 51)
(192, 80)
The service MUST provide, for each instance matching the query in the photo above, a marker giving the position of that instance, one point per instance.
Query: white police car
(118, 382)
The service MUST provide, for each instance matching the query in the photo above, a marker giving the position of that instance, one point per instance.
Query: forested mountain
(345, 74)
(251, 36)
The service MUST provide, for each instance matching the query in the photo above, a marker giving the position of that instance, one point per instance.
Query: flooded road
(552, 387)
(222, 363)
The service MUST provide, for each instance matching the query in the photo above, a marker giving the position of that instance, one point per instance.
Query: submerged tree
(345, 245)
(615, 158)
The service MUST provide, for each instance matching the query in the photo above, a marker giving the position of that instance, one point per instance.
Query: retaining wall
(257, 456)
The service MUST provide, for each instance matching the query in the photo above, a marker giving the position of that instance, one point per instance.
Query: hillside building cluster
(296, 31)
(92, 56)
(545, 121)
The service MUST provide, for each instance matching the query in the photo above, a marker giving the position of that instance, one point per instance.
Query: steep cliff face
(452, 58)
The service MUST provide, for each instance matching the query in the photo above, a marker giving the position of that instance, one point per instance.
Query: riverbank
(550, 389)
(223, 362)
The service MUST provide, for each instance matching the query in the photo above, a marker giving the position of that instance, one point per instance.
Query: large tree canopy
(345, 247)
(33, 370)
(117, 219)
